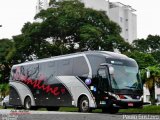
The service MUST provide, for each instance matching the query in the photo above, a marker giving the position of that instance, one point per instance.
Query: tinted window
(80, 66)
(65, 67)
(95, 61)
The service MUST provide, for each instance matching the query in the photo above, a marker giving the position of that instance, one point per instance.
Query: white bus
(87, 80)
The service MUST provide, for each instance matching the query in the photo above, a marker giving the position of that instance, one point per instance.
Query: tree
(153, 80)
(156, 56)
(35, 37)
(5, 47)
(64, 25)
(143, 59)
(70, 23)
(141, 45)
(148, 56)
(4, 90)
(149, 45)
(153, 43)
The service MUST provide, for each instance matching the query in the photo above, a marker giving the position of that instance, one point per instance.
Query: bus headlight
(114, 95)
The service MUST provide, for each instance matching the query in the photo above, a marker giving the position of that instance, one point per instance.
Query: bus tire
(27, 103)
(52, 108)
(84, 104)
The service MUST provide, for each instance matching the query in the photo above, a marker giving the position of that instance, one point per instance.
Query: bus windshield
(125, 77)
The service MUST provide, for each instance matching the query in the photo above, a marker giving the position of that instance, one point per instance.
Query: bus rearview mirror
(111, 70)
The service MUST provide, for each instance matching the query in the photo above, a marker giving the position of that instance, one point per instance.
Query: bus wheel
(52, 108)
(27, 103)
(84, 105)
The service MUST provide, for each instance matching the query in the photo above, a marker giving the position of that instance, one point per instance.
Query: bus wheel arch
(27, 103)
(83, 104)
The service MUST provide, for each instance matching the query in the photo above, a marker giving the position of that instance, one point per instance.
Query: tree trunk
(152, 95)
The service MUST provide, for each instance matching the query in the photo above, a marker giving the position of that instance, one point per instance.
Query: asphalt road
(51, 115)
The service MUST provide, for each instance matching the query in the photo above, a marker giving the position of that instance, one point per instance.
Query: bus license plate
(130, 104)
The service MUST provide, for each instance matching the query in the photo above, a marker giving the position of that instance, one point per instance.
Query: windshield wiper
(130, 86)
(133, 87)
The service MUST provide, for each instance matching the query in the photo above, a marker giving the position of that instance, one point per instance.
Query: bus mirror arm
(110, 68)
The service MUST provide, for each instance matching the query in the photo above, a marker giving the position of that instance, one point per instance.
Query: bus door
(103, 85)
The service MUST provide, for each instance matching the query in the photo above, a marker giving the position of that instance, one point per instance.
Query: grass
(68, 109)
(146, 109)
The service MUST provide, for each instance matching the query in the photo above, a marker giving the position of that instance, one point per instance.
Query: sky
(148, 17)
(15, 13)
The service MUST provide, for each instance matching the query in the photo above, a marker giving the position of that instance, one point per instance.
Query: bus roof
(107, 54)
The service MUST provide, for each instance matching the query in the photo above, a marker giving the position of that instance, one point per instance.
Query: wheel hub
(85, 105)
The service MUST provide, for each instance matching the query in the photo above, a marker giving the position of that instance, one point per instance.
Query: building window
(121, 19)
(158, 97)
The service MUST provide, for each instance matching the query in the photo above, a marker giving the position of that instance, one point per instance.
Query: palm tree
(153, 80)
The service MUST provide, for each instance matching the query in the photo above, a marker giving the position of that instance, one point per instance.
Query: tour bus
(87, 80)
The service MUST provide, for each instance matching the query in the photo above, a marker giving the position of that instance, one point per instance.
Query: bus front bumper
(127, 104)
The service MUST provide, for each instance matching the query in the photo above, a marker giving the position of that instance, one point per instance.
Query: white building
(102, 5)
(146, 94)
(125, 17)
(122, 14)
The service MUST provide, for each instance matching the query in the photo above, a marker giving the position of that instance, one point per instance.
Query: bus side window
(80, 67)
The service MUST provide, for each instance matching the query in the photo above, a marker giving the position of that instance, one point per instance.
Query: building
(125, 17)
(122, 14)
(102, 5)
(146, 94)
